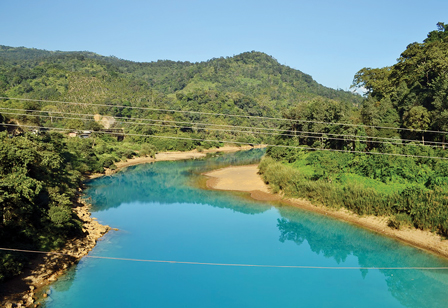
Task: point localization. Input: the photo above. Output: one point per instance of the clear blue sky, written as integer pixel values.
(328, 39)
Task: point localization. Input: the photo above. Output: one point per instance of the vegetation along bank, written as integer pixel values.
(381, 154)
(385, 158)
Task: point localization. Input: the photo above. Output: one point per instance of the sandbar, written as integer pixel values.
(246, 178)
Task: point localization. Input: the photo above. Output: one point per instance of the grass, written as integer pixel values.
(406, 203)
(348, 179)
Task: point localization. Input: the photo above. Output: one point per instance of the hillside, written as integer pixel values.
(253, 74)
(251, 83)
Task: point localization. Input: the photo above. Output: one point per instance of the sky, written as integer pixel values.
(328, 39)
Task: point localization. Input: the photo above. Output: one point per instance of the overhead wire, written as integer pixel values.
(325, 135)
(322, 135)
(235, 264)
(225, 114)
(238, 142)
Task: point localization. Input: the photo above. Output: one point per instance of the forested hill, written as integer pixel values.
(253, 74)
(40, 173)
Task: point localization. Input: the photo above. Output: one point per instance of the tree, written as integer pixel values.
(74, 124)
(438, 35)
(374, 80)
(415, 87)
(417, 118)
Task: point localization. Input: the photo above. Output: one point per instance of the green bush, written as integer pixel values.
(410, 204)
(148, 150)
(400, 220)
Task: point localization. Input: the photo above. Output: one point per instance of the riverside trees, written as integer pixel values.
(415, 88)
(402, 101)
(37, 189)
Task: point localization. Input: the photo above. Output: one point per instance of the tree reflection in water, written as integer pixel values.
(410, 287)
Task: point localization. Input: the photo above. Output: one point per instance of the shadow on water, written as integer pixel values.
(410, 287)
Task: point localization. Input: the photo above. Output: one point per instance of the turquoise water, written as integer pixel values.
(161, 215)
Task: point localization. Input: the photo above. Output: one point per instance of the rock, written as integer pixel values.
(8, 305)
(30, 301)
(31, 288)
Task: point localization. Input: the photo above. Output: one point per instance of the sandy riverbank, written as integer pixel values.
(171, 156)
(46, 268)
(246, 178)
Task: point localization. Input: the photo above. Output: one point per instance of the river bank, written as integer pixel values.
(246, 178)
(172, 156)
(46, 268)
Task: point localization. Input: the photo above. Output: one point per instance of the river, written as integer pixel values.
(163, 214)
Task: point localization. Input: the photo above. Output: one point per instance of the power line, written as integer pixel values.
(226, 115)
(249, 132)
(322, 135)
(236, 264)
(237, 142)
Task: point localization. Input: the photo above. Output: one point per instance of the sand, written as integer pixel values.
(246, 178)
(46, 269)
(171, 156)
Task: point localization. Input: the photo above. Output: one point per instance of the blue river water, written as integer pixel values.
(161, 214)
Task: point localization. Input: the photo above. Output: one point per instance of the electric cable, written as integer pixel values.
(324, 135)
(235, 264)
(238, 142)
(224, 114)
(249, 132)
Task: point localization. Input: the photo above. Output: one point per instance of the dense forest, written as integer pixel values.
(382, 154)
(385, 157)
(123, 107)
(250, 84)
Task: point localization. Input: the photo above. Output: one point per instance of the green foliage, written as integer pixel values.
(251, 83)
(38, 185)
(414, 88)
(412, 192)
(148, 150)
(277, 175)
(11, 264)
(400, 220)
(60, 215)
(438, 35)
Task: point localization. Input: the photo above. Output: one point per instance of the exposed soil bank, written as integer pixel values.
(246, 178)
(46, 268)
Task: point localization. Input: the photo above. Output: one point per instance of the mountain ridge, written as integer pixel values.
(169, 76)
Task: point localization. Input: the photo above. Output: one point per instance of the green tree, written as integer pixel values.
(438, 35)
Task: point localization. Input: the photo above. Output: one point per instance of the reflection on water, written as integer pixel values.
(411, 287)
(169, 182)
(162, 216)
